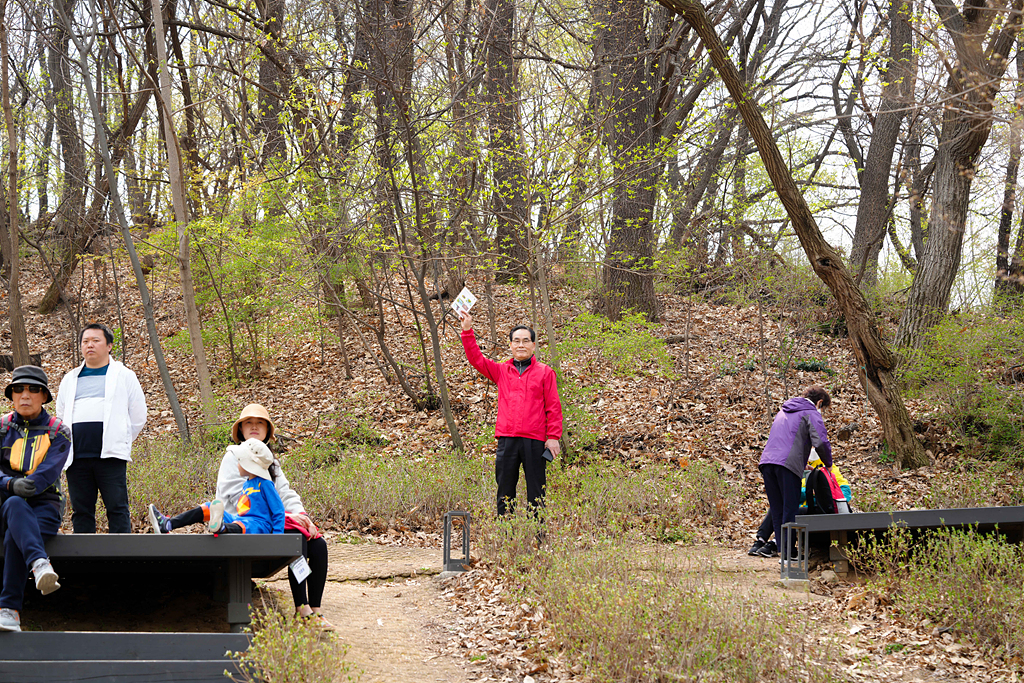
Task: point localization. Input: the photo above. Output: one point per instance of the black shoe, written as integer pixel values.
(769, 549)
(161, 524)
(758, 544)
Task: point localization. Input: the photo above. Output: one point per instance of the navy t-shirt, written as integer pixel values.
(87, 430)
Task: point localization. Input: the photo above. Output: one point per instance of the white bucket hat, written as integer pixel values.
(254, 457)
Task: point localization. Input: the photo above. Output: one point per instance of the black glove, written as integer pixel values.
(24, 487)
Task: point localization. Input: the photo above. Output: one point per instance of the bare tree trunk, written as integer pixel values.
(897, 94)
(19, 336)
(875, 362)
(966, 123)
(181, 220)
(115, 200)
(629, 260)
(1009, 284)
(72, 203)
(507, 162)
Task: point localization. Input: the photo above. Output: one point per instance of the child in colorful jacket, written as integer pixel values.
(259, 509)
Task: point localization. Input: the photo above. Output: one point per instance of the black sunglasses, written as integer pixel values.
(32, 388)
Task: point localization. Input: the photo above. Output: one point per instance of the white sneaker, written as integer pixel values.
(46, 578)
(10, 620)
(216, 516)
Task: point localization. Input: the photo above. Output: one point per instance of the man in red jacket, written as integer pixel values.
(529, 414)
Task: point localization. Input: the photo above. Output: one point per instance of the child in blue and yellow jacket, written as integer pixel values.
(259, 509)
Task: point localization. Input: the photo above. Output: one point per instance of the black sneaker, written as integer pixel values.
(769, 549)
(160, 523)
(758, 544)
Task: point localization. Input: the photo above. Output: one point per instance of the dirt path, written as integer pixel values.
(386, 604)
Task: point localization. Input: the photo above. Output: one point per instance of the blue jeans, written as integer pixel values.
(108, 477)
(27, 528)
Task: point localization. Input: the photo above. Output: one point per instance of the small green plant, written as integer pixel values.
(289, 649)
(173, 475)
(814, 365)
(966, 486)
(868, 497)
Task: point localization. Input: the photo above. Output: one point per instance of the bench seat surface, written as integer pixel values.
(920, 519)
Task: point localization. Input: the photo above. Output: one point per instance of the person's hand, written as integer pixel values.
(552, 445)
(467, 321)
(306, 522)
(24, 487)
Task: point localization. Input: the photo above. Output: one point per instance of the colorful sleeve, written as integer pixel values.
(276, 508)
(47, 471)
(487, 367)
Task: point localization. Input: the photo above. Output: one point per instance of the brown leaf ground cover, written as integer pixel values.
(734, 364)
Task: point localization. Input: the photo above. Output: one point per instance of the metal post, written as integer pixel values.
(457, 564)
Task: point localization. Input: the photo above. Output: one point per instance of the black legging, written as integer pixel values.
(197, 516)
(311, 591)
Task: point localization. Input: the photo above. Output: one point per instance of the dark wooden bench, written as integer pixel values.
(61, 657)
(1008, 520)
(235, 558)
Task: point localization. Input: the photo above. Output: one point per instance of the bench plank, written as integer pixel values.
(112, 645)
(145, 671)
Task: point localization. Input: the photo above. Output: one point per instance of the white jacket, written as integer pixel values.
(124, 409)
(229, 484)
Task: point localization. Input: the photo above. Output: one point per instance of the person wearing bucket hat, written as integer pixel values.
(33, 449)
(103, 403)
(254, 423)
(257, 510)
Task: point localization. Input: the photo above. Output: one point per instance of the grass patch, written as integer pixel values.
(171, 474)
(962, 580)
(625, 618)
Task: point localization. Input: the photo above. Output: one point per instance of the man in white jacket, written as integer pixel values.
(103, 403)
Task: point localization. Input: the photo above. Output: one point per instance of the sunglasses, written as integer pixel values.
(32, 388)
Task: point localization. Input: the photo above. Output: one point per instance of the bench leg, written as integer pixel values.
(838, 555)
(239, 593)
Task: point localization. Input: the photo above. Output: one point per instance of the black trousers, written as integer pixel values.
(108, 477)
(512, 452)
(197, 515)
(311, 591)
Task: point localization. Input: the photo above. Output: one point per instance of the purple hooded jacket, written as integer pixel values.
(797, 428)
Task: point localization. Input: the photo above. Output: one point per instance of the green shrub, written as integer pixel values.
(958, 370)
(172, 475)
(965, 486)
(289, 649)
(627, 346)
(962, 580)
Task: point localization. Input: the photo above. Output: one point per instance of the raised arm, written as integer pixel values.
(487, 367)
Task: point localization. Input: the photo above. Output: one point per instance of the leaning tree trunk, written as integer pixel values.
(1009, 285)
(875, 362)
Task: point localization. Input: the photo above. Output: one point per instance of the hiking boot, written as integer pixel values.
(769, 549)
(46, 578)
(159, 521)
(216, 516)
(10, 620)
(758, 544)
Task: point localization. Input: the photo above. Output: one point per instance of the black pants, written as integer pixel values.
(783, 490)
(197, 515)
(108, 477)
(512, 452)
(311, 591)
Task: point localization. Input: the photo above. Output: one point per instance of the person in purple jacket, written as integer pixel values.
(797, 428)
